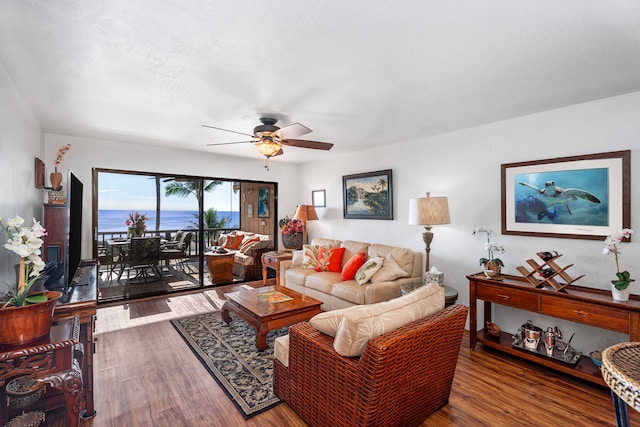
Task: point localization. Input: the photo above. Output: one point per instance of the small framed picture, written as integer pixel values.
(318, 198)
(263, 202)
(250, 210)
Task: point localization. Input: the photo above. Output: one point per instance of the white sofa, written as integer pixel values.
(247, 258)
(335, 293)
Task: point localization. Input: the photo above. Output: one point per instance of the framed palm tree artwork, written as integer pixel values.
(368, 195)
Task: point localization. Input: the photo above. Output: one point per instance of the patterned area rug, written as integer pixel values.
(229, 353)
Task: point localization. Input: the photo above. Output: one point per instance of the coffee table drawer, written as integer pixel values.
(504, 296)
(584, 312)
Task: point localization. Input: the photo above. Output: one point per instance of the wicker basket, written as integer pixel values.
(292, 241)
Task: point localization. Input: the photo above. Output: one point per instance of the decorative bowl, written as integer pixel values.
(596, 358)
(493, 329)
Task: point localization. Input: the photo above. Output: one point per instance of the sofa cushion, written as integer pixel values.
(298, 276)
(390, 271)
(310, 256)
(350, 291)
(330, 243)
(248, 244)
(281, 349)
(352, 265)
(368, 269)
(361, 323)
(296, 258)
(323, 281)
(330, 259)
(233, 241)
(403, 256)
(351, 248)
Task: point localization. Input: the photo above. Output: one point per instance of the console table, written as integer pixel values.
(51, 361)
(83, 302)
(579, 304)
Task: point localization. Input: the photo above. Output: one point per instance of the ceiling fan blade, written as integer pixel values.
(303, 143)
(227, 130)
(290, 131)
(230, 143)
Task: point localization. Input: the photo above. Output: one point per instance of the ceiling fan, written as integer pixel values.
(269, 138)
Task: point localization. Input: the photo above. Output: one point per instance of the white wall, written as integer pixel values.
(86, 154)
(465, 167)
(20, 143)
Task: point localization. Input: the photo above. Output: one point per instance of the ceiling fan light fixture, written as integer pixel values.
(268, 148)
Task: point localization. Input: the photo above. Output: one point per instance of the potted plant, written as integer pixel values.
(137, 224)
(619, 287)
(292, 232)
(25, 316)
(491, 264)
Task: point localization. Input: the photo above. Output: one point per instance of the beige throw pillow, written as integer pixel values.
(368, 269)
(390, 271)
(310, 257)
(361, 323)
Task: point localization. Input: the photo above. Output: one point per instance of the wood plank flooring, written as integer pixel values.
(146, 376)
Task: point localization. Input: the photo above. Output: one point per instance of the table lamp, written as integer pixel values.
(305, 213)
(428, 211)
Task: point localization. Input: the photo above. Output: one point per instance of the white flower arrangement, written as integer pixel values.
(611, 247)
(26, 242)
(491, 246)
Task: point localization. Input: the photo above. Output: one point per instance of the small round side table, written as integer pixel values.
(621, 371)
(450, 294)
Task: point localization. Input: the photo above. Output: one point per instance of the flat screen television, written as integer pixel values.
(73, 241)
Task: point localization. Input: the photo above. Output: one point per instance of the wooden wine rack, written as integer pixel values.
(553, 280)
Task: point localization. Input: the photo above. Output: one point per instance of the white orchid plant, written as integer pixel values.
(491, 246)
(611, 247)
(27, 243)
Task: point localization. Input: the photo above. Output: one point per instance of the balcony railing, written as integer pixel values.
(210, 234)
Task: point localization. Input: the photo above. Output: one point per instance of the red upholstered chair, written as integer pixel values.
(401, 378)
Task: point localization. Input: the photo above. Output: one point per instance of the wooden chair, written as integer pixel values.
(143, 256)
(401, 378)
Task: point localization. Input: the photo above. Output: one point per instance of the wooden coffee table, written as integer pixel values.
(267, 316)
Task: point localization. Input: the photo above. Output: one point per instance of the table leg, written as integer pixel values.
(261, 337)
(621, 410)
(264, 274)
(225, 314)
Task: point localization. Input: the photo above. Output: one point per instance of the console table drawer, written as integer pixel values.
(584, 312)
(512, 297)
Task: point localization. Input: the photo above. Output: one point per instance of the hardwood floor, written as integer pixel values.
(146, 376)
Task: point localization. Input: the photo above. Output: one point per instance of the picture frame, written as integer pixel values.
(263, 202)
(578, 197)
(368, 195)
(250, 210)
(39, 173)
(318, 198)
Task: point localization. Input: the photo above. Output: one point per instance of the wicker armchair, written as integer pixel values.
(401, 378)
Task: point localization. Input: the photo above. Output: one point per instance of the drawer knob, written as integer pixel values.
(581, 313)
(503, 296)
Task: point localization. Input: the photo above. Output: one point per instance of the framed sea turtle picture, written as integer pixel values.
(579, 197)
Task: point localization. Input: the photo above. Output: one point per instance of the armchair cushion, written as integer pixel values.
(362, 323)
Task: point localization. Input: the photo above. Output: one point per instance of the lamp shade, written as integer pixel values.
(429, 211)
(305, 213)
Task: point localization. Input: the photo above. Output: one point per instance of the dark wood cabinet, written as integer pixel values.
(593, 307)
(55, 222)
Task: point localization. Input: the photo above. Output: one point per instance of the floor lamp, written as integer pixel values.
(428, 211)
(305, 213)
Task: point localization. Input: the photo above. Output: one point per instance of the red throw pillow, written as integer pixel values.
(233, 241)
(330, 259)
(250, 242)
(354, 263)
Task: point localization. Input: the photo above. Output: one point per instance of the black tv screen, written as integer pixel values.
(74, 227)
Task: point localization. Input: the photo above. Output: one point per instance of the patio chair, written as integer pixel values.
(143, 256)
(178, 250)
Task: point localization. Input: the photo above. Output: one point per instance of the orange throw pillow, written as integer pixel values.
(330, 259)
(354, 263)
(233, 242)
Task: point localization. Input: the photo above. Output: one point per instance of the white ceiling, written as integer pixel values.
(360, 73)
